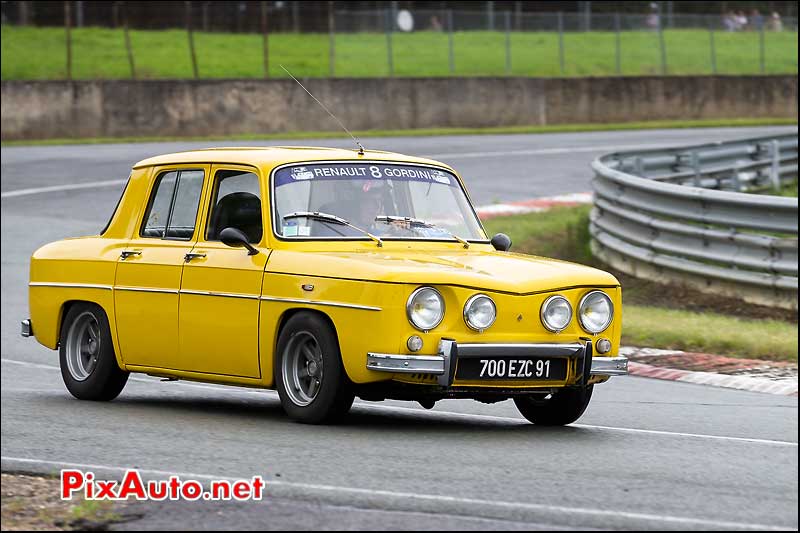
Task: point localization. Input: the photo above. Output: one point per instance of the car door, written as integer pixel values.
(221, 285)
(149, 269)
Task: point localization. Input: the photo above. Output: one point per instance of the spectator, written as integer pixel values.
(741, 21)
(730, 21)
(775, 22)
(756, 20)
(435, 24)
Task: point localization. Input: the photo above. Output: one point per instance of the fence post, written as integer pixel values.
(389, 54)
(561, 41)
(331, 41)
(24, 13)
(490, 15)
(191, 37)
(713, 49)
(205, 15)
(508, 42)
(79, 14)
(68, 28)
(128, 46)
(662, 46)
(265, 38)
(775, 173)
(451, 50)
(618, 43)
(762, 52)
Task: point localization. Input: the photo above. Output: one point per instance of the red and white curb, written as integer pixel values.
(534, 205)
(750, 375)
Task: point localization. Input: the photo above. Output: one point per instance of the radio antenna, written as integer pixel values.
(360, 146)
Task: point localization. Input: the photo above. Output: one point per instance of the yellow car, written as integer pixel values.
(325, 274)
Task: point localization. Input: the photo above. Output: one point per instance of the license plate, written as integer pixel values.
(512, 369)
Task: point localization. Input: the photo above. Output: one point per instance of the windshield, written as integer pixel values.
(373, 197)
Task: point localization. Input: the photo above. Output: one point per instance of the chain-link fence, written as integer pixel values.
(253, 39)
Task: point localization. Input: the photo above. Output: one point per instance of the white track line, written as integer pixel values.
(444, 414)
(12, 462)
(59, 188)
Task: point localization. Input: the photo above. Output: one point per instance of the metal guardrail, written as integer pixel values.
(684, 215)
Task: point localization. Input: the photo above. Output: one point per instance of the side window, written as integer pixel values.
(172, 212)
(237, 204)
(184, 209)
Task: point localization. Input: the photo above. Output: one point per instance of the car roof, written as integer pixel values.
(271, 156)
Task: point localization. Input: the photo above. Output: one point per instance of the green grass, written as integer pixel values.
(684, 319)
(556, 128)
(709, 332)
(30, 53)
(789, 189)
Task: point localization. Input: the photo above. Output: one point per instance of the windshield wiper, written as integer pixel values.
(416, 222)
(325, 217)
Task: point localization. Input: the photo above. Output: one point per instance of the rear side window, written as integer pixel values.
(172, 212)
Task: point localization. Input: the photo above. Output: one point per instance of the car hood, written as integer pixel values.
(489, 270)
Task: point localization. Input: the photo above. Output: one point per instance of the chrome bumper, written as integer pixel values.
(609, 366)
(444, 364)
(26, 330)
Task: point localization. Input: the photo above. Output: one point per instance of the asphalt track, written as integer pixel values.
(646, 455)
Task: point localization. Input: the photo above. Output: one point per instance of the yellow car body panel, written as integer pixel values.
(164, 311)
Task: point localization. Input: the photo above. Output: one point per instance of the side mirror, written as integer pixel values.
(501, 242)
(236, 238)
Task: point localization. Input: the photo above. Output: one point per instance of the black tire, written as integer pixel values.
(562, 408)
(334, 391)
(101, 378)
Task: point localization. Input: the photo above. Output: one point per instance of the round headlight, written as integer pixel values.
(556, 313)
(595, 312)
(480, 312)
(425, 308)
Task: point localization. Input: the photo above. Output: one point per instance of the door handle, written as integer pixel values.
(127, 253)
(188, 257)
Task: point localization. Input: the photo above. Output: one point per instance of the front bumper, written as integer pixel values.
(444, 363)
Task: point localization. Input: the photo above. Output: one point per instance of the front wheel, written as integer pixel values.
(309, 375)
(86, 354)
(558, 409)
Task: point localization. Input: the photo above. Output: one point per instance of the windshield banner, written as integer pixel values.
(362, 171)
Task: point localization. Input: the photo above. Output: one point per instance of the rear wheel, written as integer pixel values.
(309, 375)
(557, 409)
(86, 354)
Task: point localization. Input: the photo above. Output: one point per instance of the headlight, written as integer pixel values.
(556, 313)
(595, 312)
(480, 312)
(425, 308)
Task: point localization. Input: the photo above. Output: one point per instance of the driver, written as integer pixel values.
(369, 197)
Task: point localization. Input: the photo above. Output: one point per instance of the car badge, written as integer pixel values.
(302, 173)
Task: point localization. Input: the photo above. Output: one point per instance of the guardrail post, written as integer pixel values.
(737, 183)
(696, 168)
(775, 171)
(638, 166)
